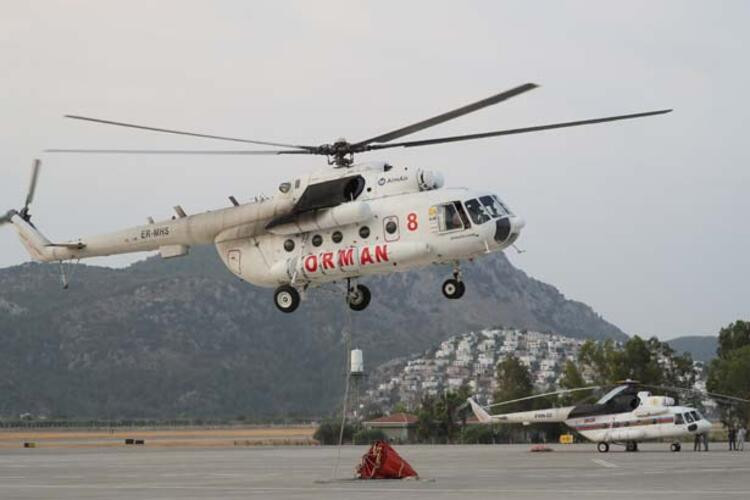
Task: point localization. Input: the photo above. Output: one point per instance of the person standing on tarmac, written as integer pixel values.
(741, 438)
(732, 434)
(697, 442)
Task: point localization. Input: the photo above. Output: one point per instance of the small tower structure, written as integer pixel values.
(356, 379)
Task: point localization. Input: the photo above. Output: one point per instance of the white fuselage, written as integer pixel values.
(650, 420)
(397, 222)
(630, 426)
(416, 241)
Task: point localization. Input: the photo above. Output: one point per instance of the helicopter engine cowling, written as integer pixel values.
(428, 180)
(327, 218)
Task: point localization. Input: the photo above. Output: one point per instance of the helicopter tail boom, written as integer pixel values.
(521, 417)
(171, 237)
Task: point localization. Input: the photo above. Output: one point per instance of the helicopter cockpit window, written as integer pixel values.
(678, 420)
(688, 418)
(477, 212)
(695, 415)
(451, 217)
(505, 207)
(493, 206)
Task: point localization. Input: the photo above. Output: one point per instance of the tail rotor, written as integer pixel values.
(24, 212)
(5, 218)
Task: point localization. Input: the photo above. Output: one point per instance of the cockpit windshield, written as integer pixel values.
(494, 206)
(485, 208)
(695, 415)
(477, 211)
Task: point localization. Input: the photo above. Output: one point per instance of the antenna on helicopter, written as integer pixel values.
(341, 153)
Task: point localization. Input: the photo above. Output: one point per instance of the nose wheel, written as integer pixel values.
(286, 298)
(358, 297)
(602, 447)
(454, 287)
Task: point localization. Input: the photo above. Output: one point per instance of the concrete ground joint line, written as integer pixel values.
(604, 463)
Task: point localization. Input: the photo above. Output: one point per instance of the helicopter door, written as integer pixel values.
(449, 217)
(234, 261)
(391, 230)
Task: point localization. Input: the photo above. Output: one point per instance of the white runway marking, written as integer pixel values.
(604, 463)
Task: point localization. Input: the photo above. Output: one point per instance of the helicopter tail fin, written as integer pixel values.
(480, 412)
(38, 246)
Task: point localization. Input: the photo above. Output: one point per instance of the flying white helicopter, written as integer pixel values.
(624, 415)
(337, 224)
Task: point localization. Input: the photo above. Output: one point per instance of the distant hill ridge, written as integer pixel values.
(185, 337)
(701, 347)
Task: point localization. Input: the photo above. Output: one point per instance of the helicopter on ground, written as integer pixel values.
(333, 225)
(624, 415)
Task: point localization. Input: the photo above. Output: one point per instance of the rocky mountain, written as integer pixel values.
(701, 347)
(185, 338)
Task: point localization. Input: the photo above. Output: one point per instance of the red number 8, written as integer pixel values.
(411, 222)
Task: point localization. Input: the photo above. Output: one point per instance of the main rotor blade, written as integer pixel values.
(32, 184)
(180, 132)
(183, 151)
(536, 396)
(694, 390)
(484, 135)
(731, 398)
(450, 115)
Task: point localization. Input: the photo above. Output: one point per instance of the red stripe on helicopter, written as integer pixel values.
(628, 423)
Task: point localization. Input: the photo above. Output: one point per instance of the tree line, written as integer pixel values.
(729, 372)
(442, 418)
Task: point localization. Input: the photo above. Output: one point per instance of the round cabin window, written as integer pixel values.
(364, 232)
(317, 240)
(289, 245)
(391, 227)
(337, 236)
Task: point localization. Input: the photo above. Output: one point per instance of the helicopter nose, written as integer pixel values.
(502, 229)
(517, 223)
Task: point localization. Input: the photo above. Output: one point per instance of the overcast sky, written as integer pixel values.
(646, 221)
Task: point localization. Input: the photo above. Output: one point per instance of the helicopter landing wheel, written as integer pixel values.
(358, 298)
(453, 289)
(675, 447)
(603, 447)
(631, 446)
(286, 298)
